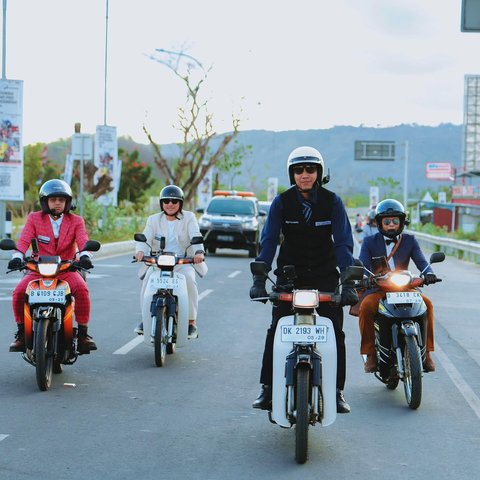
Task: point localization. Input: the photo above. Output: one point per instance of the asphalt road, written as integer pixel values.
(192, 419)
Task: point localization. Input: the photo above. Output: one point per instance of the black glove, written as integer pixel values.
(429, 278)
(85, 262)
(349, 294)
(14, 263)
(258, 288)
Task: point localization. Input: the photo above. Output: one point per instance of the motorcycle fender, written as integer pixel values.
(328, 353)
(409, 329)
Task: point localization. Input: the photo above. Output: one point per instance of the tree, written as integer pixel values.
(198, 152)
(388, 184)
(37, 169)
(136, 177)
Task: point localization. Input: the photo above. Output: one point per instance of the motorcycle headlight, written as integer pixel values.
(400, 279)
(47, 269)
(166, 261)
(305, 298)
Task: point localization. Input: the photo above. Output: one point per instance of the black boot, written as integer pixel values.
(18, 345)
(264, 399)
(85, 341)
(342, 405)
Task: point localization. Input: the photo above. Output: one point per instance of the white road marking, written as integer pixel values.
(204, 294)
(5, 298)
(235, 273)
(129, 346)
(139, 339)
(462, 386)
(3, 436)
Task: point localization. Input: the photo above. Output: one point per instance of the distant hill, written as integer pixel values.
(270, 151)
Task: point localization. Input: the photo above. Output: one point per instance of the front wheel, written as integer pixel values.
(303, 414)
(44, 354)
(160, 338)
(412, 366)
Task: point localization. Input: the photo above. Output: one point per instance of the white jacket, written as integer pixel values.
(186, 227)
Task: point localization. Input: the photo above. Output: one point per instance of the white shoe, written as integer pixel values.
(139, 329)
(192, 331)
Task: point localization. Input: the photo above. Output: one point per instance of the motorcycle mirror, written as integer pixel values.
(7, 244)
(91, 246)
(437, 257)
(354, 272)
(196, 240)
(34, 243)
(259, 268)
(140, 237)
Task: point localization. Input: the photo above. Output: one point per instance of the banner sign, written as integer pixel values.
(204, 190)
(439, 171)
(272, 188)
(106, 159)
(11, 143)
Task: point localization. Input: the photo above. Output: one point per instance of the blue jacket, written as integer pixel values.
(374, 246)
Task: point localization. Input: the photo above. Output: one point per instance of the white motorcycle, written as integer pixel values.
(165, 301)
(304, 359)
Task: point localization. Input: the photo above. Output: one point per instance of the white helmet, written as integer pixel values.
(304, 156)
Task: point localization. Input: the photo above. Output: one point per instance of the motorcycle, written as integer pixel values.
(49, 312)
(165, 300)
(304, 358)
(400, 327)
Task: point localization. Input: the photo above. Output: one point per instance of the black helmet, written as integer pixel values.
(172, 192)
(305, 156)
(390, 208)
(55, 188)
(371, 215)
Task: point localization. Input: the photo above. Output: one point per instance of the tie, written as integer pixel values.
(393, 240)
(307, 210)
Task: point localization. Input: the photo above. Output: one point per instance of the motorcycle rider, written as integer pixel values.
(178, 226)
(370, 227)
(308, 215)
(391, 220)
(60, 233)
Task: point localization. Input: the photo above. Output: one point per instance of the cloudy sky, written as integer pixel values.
(278, 65)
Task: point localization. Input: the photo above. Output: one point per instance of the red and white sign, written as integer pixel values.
(439, 171)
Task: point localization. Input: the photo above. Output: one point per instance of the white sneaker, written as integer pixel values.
(139, 329)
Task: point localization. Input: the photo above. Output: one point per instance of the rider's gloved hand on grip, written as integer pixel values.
(258, 288)
(349, 294)
(14, 263)
(430, 278)
(85, 262)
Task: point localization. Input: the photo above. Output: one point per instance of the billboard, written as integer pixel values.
(374, 150)
(11, 143)
(106, 160)
(439, 171)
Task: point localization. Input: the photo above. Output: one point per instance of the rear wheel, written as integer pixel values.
(160, 338)
(44, 354)
(412, 366)
(303, 414)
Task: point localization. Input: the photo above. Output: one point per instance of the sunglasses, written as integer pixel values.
(299, 169)
(170, 200)
(388, 221)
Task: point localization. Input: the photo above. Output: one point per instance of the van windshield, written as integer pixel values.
(231, 206)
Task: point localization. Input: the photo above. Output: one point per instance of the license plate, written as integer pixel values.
(225, 238)
(46, 296)
(404, 297)
(304, 333)
(164, 282)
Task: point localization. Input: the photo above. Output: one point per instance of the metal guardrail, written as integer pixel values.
(462, 249)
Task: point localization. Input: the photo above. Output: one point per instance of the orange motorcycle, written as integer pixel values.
(49, 312)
